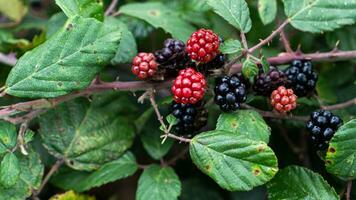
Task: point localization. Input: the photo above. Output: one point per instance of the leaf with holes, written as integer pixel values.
(245, 122)
(9, 170)
(80, 181)
(68, 61)
(341, 155)
(236, 12)
(84, 8)
(320, 15)
(88, 135)
(235, 162)
(267, 9)
(160, 16)
(294, 183)
(158, 183)
(29, 178)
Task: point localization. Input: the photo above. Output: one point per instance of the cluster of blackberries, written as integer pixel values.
(302, 78)
(230, 91)
(322, 126)
(191, 117)
(265, 83)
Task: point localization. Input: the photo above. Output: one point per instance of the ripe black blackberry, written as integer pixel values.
(322, 126)
(264, 83)
(301, 77)
(216, 63)
(191, 117)
(173, 56)
(230, 91)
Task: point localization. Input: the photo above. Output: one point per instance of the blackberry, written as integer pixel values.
(264, 84)
(173, 56)
(322, 126)
(230, 91)
(302, 78)
(216, 63)
(191, 117)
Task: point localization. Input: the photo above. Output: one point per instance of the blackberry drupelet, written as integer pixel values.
(264, 83)
(230, 91)
(191, 117)
(301, 77)
(322, 126)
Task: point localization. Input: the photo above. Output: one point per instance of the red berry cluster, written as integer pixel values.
(203, 45)
(144, 65)
(189, 86)
(283, 100)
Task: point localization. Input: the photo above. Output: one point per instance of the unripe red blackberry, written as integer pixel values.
(322, 126)
(203, 45)
(192, 117)
(264, 84)
(283, 100)
(144, 65)
(189, 86)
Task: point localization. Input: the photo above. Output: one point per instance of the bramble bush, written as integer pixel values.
(177, 99)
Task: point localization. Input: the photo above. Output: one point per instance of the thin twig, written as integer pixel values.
(181, 139)
(351, 102)
(111, 7)
(348, 190)
(285, 42)
(53, 170)
(243, 40)
(270, 114)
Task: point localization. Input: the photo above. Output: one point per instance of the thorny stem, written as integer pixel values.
(53, 170)
(351, 102)
(348, 190)
(243, 40)
(270, 114)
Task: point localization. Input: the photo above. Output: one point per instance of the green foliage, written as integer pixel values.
(84, 8)
(315, 15)
(7, 136)
(79, 181)
(267, 10)
(9, 170)
(245, 122)
(159, 16)
(235, 12)
(70, 195)
(158, 183)
(231, 47)
(87, 135)
(64, 63)
(235, 162)
(249, 69)
(340, 158)
(296, 183)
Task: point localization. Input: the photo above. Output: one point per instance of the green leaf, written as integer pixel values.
(55, 23)
(127, 49)
(14, 9)
(267, 10)
(249, 69)
(84, 8)
(320, 15)
(152, 143)
(160, 16)
(70, 195)
(82, 181)
(9, 170)
(344, 37)
(31, 172)
(233, 161)
(341, 155)
(87, 135)
(295, 183)
(66, 62)
(231, 46)
(245, 122)
(236, 12)
(172, 120)
(8, 136)
(158, 183)
(265, 64)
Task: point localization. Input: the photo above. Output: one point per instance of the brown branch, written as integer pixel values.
(8, 59)
(348, 190)
(351, 102)
(270, 114)
(53, 170)
(181, 139)
(111, 7)
(286, 58)
(243, 40)
(285, 42)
